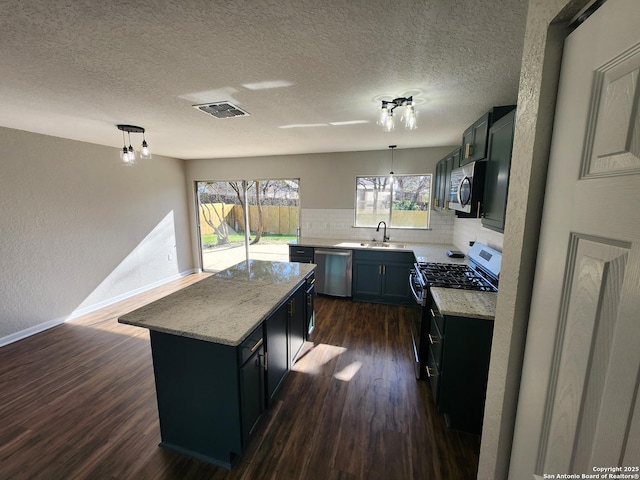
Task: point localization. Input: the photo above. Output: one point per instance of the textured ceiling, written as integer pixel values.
(76, 68)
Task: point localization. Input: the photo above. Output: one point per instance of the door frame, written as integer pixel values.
(546, 30)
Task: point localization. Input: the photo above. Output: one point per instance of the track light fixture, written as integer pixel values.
(409, 116)
(128, 154)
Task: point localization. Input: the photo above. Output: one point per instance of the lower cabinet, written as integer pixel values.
(211, 396)
(382, 277)
(301, 254)
(252, 389)
(458, 367)
(277, 349)
(309, 309)
(285, 333)
(297, 323)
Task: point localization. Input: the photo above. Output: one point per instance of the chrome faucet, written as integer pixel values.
(384, 234)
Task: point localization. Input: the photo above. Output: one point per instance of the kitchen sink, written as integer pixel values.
(383, 245)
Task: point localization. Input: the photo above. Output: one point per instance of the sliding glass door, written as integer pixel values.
(270, 208)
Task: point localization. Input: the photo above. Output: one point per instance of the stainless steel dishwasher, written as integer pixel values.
(333, 273)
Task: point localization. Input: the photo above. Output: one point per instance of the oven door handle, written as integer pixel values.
(419, 299)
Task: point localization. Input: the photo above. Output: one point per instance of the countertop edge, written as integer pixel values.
(232, 342)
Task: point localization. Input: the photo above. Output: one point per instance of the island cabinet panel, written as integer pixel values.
(297, 322)
(277, 349)
(309, 310)
(252, 389)
(199, 399)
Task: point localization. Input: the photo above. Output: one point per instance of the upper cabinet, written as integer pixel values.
(442, 181)
(500, 143)
(474, 138)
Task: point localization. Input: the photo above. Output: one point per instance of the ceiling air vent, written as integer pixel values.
(222, 110)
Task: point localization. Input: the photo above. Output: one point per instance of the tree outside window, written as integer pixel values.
(402, 201)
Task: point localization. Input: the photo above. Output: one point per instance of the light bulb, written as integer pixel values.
(124, 155)
(145, 153)
(131, 155)
(387, 126)
(384, 115)
(410, 117)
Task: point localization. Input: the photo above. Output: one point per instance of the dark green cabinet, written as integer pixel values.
(496, 184)
(458, 368)
(300, 254)
(252, 390)
(475, 138)
(474, 141)
(277, 350)
(310, 315)
(297, 323)
(210, 396)
(285, 333)
(438, 196)
(442, 181)
(382, 277)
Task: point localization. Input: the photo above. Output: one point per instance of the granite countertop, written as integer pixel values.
(224, 308)
(465, 303)
(424, 252)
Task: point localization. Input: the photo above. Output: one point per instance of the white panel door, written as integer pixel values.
(578, 407)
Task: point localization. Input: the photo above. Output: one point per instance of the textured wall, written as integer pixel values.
(534, 121)
(79, 230)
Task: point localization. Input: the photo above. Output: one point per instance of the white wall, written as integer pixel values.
(79, 230)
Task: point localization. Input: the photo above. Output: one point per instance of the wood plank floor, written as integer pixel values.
(78, 402)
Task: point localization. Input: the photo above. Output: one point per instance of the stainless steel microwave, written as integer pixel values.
(467, 188)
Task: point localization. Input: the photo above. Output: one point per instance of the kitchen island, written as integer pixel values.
(210, 342)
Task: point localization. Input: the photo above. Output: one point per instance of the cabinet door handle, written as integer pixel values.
(433, 340)
(384, 269)
(430, 374)
(257, 345)
(467, 150)
(380, 269)
(263, 359)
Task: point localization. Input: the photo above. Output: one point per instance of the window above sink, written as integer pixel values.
(402, 201)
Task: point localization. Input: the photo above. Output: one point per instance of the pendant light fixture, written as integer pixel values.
(409, 116)
(128, 154)
(392, 147)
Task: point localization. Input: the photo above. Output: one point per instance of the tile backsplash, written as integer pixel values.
(471, 230)
(338, 223)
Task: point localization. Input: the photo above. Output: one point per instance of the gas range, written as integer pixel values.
(481, 274)
(454, 276)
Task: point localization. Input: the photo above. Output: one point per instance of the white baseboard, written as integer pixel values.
(27, 332)
(41, 327)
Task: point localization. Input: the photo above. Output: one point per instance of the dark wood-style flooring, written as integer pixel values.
(78, 402)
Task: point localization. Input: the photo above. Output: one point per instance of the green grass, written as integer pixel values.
(212, 239)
